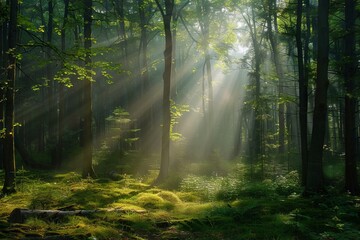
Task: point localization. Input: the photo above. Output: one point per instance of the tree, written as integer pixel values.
(351, 151)
(203, 12)
(51, 114)
(61, 95)
(165, 144)
(145, 116)
(303, 93)
(3, 33)
(256, 141)
(273, 38)
(86, 118)
(315, 179)
(9, 145)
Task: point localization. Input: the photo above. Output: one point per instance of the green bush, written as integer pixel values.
(206, 187)
(288, 184)
(258, 190)
(230, 188)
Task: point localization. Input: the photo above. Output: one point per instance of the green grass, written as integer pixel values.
(202, 208)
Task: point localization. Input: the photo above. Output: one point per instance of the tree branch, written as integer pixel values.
(160, 8)
(187, 30)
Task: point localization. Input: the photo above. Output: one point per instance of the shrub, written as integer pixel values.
(205, 187)
(288, 184)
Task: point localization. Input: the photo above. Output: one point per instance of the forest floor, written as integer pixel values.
(131, 209)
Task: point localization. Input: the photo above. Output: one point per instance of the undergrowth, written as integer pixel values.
(203, 207)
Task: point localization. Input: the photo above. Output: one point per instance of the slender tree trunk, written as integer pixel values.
(126, 58)
(9, 145)
(256, 143)
(174, 78)
(351, 140)
(210, 93)
(3, 62)
(165, 146)
(174, 87)
(315, 179)
(238, 135)
(272, 34)
(303, 95)
(146, 115)
(43, 116)
(1, 125)
(51, 101)
(61, 95)
(121, 12)
(203, 9)
(86, 119)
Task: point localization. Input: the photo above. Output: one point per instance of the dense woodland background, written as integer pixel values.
(272, 83)
(114, 88)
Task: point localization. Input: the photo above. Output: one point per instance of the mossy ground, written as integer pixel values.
(254, 213)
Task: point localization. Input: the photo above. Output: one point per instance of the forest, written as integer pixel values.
(179, 119)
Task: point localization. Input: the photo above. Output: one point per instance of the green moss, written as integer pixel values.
(189, 197)
(169, 196)
(70, 177)
(256, 212)
(153, 201)
(104, 232)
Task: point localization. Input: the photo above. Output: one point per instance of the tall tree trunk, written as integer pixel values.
(351, 151)
(126, 91)
(43, 115)
(255, 139)
(121, 12)
(165, 145)
(174, 79)
(272, 34)
(315, 179)
(145, 118)
(1, 124)
(9, 145)
(203, 11)
(174, 87)
(3, 62)
(61, 95)
(51, 101)
(86, 119)
(303, 95)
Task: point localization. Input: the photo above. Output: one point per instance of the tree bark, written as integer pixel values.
(315, 179)
(61, 95)
(86, 119)
(3, 62)
(9, 145)
(165, 144)
(255, 148)
(303, 94)
(351, 140)
(272, 34)
(203, 12)
(145, 116)
(51, 98)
